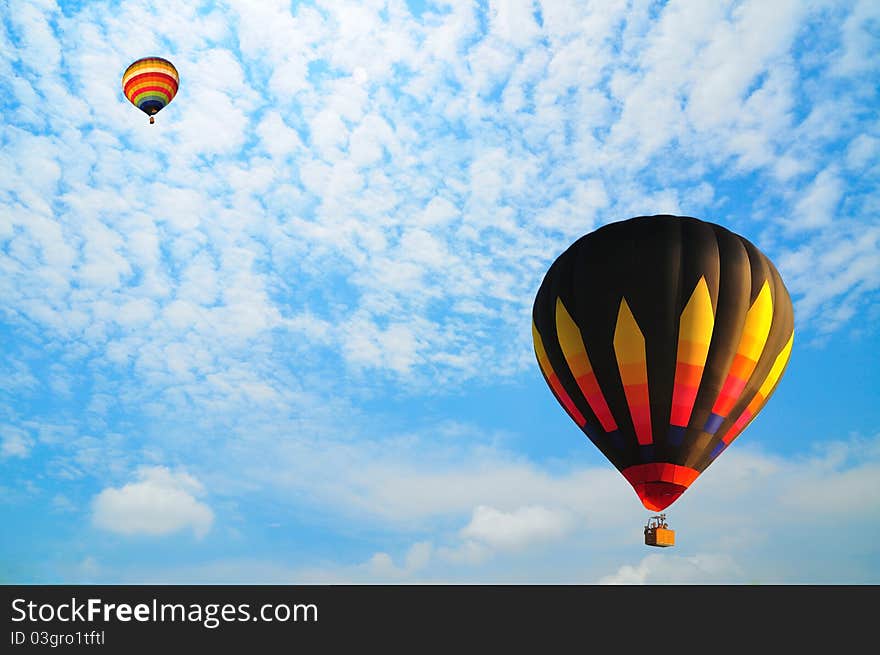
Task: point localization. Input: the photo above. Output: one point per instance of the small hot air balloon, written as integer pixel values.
(662, 337)
(150, 84)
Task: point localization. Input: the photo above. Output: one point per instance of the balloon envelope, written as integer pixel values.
(150, 84)
(662, 337)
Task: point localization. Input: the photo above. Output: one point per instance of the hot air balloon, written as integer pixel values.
(150, 84)
(662, 337)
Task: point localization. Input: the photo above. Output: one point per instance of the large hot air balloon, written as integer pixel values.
(662, 337)
(150, 84)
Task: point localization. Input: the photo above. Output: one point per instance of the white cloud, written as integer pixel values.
(513, 21)
(816, 208)
(833, 275)
(516, 529)
(159, 503)
(727, 522)
(588, 98)
(734, 526)
(862, 150)
(61, 503)
(673, 569)
(277, 137)
(859, 48)
(381, 566)
(14, 442)
(469, 553)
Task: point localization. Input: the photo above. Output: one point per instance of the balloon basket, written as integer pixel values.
(657, 532)
(660, 538)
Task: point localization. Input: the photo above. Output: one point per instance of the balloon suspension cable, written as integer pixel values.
(658, 521)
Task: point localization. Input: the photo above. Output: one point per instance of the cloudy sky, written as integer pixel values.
(283, 335)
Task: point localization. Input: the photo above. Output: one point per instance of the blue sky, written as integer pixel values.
(283, 335)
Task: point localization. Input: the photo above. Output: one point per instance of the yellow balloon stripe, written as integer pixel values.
(553, 379)
(764, 392)
(575, 353)
(150, 66)
(748, 352)
(629, 348)
(694, 336)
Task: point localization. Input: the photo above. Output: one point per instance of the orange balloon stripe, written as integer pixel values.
(146, 74)
(150, 78)
(694, 335)
(757, 403)
(575, 352)
(135, 91)
(640, 410)
(629, 348)
(748, 352)
(731, 390)
(733, 385)
(150, 65)
(741, 423)
(590, 388)
(683, 398)
(553, 380)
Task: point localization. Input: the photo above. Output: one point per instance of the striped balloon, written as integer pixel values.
(662, 337)
(150, 84)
